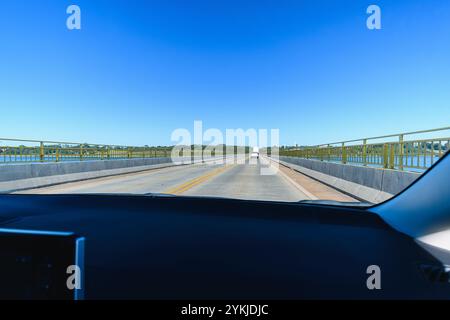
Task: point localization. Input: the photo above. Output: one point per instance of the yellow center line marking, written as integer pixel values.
(194, 182)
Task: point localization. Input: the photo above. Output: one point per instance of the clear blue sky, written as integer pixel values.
(140, 69)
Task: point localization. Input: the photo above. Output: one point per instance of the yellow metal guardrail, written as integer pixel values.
(18, 150)
(401, 153)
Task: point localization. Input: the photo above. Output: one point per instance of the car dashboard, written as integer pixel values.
(154, 247)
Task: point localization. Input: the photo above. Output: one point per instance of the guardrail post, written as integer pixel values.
(385, 156)
(425, 148)
(432, 152)
(41, 152)
(401, 152)
(344, 153)
(440, 149)
(392, 156)
(365, 152)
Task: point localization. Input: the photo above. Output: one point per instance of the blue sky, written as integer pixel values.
(140, 69)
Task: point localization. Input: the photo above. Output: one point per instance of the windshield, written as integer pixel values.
(333, 101)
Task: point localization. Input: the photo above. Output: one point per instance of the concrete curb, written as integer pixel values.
(369, 184)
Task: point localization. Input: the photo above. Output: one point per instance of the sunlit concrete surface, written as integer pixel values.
(154, 181)
(244, 179)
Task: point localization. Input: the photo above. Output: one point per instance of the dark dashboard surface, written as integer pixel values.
(175, 247)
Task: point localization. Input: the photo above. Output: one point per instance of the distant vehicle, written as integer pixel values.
(255, 153)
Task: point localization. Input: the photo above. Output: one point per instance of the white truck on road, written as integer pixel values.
(255, 153)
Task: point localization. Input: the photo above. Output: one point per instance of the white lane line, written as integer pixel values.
(295, 184)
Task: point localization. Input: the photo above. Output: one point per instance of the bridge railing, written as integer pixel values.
(17, 150)
(397, 151)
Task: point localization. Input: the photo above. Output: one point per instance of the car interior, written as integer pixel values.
(224, 159)
(165, 247)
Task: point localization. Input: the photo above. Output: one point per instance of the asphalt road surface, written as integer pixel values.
(231, 180)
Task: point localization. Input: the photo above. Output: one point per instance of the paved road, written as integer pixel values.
(231, 180)
(244, 181)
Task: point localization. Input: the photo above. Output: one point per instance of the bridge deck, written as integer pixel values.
(241, 181)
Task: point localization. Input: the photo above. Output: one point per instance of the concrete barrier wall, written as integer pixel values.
(367, 183)
(16, 177)
(10, 172)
